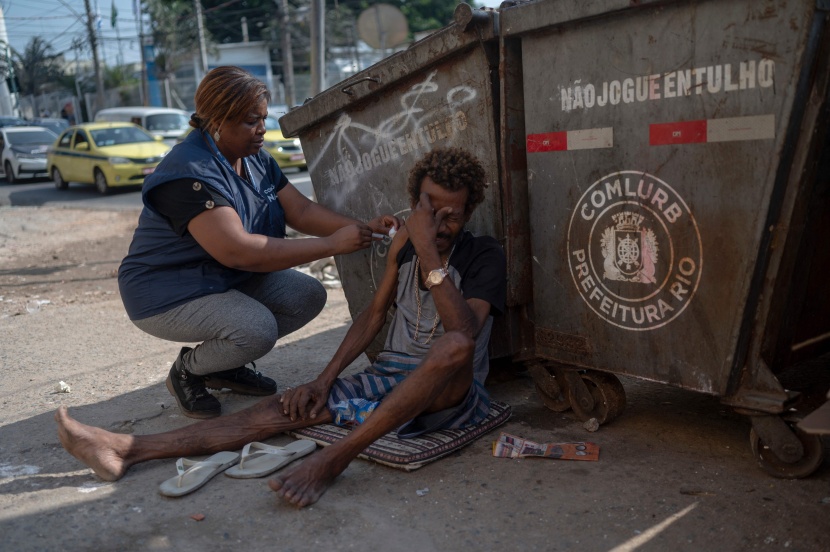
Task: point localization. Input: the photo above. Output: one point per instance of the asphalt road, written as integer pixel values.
(42, 192)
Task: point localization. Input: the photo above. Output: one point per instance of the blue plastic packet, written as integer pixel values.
(353, 411)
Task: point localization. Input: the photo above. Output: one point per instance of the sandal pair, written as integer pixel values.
(257, 460)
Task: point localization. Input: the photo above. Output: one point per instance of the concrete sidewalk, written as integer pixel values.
(675, 470)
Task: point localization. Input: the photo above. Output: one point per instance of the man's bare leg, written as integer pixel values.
(111, 454)
(440, 381)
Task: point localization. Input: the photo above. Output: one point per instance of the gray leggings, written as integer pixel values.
(242, 324)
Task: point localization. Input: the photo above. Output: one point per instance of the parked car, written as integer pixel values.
(55, 125)
(166, 122)
(23, 151)
(12, 121)
(104, 154)
(286, 151)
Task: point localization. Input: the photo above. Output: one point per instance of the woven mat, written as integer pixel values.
(411, 454)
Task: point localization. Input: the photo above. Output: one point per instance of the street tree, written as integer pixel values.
(223, 18)
(38, 68)
(423, 15)
(175, 33)
(119, 76)
(223, 21)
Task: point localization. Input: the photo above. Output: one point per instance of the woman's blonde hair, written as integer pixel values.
(227, 93)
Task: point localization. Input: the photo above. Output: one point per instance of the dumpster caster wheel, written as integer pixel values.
(608, 394)
(549, 389)
(808, 463)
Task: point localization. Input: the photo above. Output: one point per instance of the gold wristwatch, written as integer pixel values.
(435, 277)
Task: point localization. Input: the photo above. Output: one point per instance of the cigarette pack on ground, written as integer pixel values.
(511, 446)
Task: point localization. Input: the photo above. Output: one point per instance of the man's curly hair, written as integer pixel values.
(450, 168)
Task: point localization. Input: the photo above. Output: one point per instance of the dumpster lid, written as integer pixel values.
(469, 27)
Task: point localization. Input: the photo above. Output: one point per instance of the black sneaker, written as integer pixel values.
(189, 391)
(242, 380)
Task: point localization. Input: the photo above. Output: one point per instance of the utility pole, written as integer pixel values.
(114, 24)
(76, 46)
(139, 24)
(93, 42)
(202, 49)
(318, 43)
(287, 55)
(356, 46)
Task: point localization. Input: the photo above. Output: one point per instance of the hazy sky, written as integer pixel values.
(59, 22)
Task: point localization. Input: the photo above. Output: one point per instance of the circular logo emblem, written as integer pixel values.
(634, 251)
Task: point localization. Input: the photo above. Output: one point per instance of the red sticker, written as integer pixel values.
(548, 141)
(684, 132)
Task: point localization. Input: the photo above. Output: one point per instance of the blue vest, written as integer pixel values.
(162, 269)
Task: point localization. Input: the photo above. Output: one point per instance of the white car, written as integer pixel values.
(23, 150)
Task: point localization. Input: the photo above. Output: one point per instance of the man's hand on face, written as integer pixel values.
(306, 401)
(424, 222)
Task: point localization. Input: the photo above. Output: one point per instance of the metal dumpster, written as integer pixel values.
(659, 180)
(675, 201)
(362, 137)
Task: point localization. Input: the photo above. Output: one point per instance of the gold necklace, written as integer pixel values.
(418, 298)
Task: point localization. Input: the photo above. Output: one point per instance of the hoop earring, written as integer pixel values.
(216, 136)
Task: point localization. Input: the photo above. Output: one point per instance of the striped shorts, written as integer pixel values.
(378, 380)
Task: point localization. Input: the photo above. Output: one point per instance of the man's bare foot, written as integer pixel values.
(305, 484)
(99, 449)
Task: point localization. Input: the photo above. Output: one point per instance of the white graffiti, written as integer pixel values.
(353, 149)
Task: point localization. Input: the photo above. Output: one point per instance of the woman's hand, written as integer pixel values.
(350, 238)
(305, 401)
(383, 223)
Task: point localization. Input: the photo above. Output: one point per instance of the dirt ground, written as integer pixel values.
(675, 470)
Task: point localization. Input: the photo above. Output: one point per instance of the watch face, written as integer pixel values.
(435, 277)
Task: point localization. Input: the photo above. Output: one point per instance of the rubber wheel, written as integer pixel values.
(548, 388)
(770, 463)
(60, 183)
(101, 182)
(10, 178)
(608, 394)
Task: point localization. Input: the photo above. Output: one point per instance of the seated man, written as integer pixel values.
(445, 284)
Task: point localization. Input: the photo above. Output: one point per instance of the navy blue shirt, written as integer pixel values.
(165, 266)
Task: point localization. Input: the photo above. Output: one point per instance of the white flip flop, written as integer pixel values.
(195, 473)
(266, 459)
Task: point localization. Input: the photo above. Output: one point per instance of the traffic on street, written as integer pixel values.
(42, 192)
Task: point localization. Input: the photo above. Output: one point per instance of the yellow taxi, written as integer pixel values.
(104, 154)
(285, 151)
